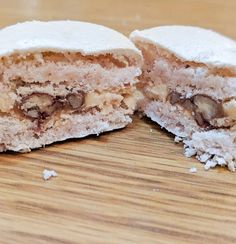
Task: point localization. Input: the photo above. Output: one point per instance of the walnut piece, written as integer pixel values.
(159, 91)
(230, 108)
(209, 108)
(132, 100)
(6, 102)
(39, 105)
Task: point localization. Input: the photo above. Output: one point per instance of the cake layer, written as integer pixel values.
(99, 72)
(191, 44)
(21, 135)
(214, 147)
(171, 117)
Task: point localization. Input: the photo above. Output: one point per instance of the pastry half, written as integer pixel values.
(189, 85)
(63, 79)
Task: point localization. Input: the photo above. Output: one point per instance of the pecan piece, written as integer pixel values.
(174, 97)
(76, 100)
(199, 119)
(188, 105)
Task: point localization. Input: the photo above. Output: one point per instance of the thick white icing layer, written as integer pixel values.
(191, 44)
(58, 36)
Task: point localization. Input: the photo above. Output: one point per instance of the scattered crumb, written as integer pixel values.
(193, 170)
(151, 130)
(47, 174)
(155, 189)
(178, 139)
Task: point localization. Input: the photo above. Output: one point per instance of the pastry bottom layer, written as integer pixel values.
(212, 147)
(171, 117)
(20, 135)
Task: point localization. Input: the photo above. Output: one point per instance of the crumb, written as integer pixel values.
(189, 152)
(47, 174)
(25, 150)
(204, 157)
(231, 166)
(221, 161)
(155, 189)
(178, 139)
(193, 170)
(151, 130)
(210, 164)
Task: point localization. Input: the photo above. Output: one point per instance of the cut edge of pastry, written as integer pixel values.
(192, 100)
(50, 96)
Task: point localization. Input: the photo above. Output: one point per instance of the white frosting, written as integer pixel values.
(191, 44)
(58, 36)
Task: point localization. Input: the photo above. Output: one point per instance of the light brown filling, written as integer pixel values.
(106, 60)
(206, 111)
(40, 106)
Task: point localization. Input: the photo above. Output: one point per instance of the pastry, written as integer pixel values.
(189, 85)
(64, 79)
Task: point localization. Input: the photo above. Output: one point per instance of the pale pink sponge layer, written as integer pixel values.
(52, 90)
(189, 88)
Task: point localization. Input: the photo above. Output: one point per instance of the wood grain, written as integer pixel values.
(130, 186)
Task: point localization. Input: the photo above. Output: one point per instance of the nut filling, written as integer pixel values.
(41, 105)
(205, 110)
(76, 100)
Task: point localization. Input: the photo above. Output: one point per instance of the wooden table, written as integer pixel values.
(130, 186)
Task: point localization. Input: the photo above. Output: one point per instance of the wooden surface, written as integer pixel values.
(130, 186)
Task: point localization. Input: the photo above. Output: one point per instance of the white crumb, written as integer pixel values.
(189, 94)
(47, 174)
(178, 139)
(220, 160)
(193, 170)
(210, 164)
(231, 166)
(151, 130)
(189, 152)
(155, 189)
(204, 157)
(228, 157)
